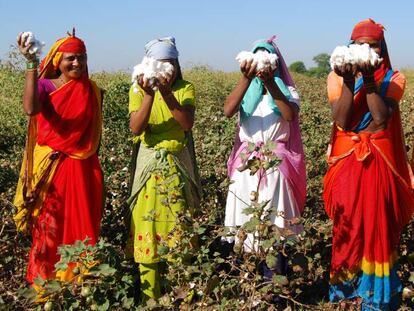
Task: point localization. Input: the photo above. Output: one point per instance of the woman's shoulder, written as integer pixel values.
(46, 85)
(398, 77)
(181, 83)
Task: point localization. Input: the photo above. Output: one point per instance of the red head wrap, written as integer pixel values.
(368, 28)
(72, 45)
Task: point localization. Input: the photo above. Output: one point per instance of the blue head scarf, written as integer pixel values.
(254, 93)
(163, 48)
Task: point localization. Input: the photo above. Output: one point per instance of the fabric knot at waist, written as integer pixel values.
(346, 143)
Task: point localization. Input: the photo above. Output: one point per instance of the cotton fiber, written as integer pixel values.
(27, 38)
(151, 69)
(262, 59)
(358, 54)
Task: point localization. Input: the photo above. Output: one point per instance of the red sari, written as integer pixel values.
(60, 192)
(368, 196)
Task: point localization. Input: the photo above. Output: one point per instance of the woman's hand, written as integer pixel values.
(367, 69)
(164, 85)
(24, 50)
(266, 75)
(347, 71)
(248, 69)
(145, 85)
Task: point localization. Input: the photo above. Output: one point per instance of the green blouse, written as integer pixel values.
(163, 131)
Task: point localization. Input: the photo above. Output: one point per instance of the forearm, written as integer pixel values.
(184, 115)
(31, 102)
(139, 119)
(342, 109)
(376, 104)
(285, 107)
(232, 103)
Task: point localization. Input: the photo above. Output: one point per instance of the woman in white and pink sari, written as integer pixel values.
(268, 107)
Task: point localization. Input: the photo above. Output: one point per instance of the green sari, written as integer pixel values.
(165, 180)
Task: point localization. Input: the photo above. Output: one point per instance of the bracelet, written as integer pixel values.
(370, 84)
(32, 65)
(368, 77)
(371, 87)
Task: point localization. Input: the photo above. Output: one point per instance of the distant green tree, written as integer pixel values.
(322, 60)
(323, 68)
(298, 67)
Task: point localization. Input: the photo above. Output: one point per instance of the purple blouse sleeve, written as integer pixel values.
(44, 88)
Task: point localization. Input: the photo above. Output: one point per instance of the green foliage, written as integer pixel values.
(201, 276)
(323, 67)
(322, 60)
(103, 279)
(298, 67)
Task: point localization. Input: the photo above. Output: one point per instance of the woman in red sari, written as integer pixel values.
(59, 196)
(367, 189)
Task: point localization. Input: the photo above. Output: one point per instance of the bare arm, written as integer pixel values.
(342, 108)
(376, 104)
(138, 120)
(285, 107)
(184, 115)
(232, 103)
(31, 102)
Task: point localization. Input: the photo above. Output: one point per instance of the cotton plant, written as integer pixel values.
(150, 70)
(28, 37)
(262, 59)
(354, 54)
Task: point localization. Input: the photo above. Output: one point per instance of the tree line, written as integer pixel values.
(321, 70)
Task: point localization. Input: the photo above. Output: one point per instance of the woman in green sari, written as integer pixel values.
(164, 180)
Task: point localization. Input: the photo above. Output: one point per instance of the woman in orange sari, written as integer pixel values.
(367, 189)
(59, 195)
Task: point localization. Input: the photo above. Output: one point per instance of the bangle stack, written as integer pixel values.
(32, 65)
(370, 87)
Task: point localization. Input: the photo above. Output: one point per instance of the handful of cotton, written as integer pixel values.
(354, 54)
(151, 69)
(261, 58)
(27, 38)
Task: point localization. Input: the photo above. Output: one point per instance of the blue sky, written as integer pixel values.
(207, 32)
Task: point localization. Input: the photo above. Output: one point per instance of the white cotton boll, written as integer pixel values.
(151, 69)
(353, 54)
(340, 56)
(28, 37)
(373, 57)
(261, 58)
(364, 54)
(244, 56)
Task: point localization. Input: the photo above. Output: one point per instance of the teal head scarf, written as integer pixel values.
(254, 93)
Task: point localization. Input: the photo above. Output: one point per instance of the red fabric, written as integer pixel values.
(67, 122)
(70, 123)
(368, 28)
(72, 45)
(367, 189)
(367, 201)
(71, 211)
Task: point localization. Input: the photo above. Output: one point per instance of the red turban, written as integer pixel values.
(368, 28)
(72, 45)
